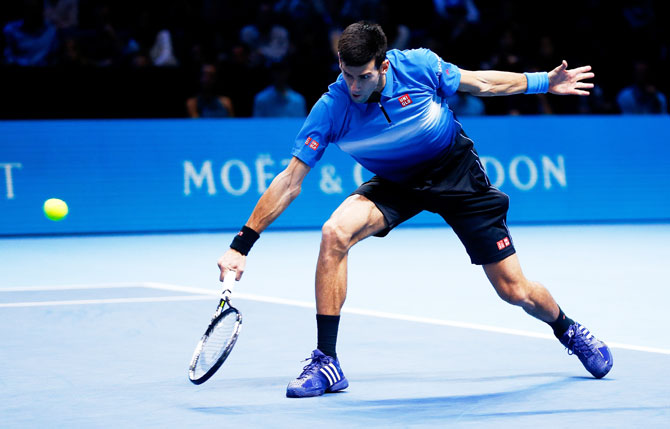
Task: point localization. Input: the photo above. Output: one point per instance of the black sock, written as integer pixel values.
(326, 332)
(561, 325)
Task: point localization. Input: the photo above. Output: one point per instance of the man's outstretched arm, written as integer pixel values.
(488, 83)
(279, 195)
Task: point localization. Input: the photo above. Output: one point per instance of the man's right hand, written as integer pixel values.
(232, 260)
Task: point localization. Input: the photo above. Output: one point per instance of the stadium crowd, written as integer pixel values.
(275, 58)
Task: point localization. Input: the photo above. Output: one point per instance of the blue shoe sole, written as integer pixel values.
(340, 385)
(303, 393)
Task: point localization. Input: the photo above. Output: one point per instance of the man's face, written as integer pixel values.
(364, 80)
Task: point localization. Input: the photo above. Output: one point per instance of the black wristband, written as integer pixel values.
(244, 240)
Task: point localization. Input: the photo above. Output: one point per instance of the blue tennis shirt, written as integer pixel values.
(411, 125)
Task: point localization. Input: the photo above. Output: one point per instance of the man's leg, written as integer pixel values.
(513, 287)
(355, 219)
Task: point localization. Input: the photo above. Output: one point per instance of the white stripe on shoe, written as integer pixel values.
(335, 371)
(331, 373)
(330, 380)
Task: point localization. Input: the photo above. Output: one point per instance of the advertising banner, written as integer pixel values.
(190, 175)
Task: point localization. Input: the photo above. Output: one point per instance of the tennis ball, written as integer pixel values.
(55, 209)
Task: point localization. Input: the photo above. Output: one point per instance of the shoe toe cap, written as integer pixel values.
(305, 387)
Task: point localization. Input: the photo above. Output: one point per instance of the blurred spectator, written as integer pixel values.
(161, 52)
(245, 77)
(642, 97)
(30, 41)
(208, 103)
(62, 14)
(70, 53)
(277, 44)
(245, 38)
(306, 10)
(266, 36)
(507, 57)
(99, 41)
(445, 8)
(151, 41)
(278, 100)
(596, 102)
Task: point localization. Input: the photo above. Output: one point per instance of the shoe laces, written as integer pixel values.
(580, 341)
(313, 366)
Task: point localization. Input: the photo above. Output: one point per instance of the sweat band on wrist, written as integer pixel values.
(538, 83)
(244, 240)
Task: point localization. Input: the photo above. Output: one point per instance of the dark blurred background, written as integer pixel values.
(224, 58)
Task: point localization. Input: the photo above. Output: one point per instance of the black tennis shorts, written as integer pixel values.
(459, 190)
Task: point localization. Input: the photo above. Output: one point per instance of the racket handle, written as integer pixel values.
(229, 284)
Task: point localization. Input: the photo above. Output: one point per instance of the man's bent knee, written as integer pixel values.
(335, 238)
(513, 292)
(355, 219)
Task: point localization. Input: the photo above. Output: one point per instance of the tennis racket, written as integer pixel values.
(219, 338)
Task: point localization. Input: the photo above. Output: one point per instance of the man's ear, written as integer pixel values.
(384, 67)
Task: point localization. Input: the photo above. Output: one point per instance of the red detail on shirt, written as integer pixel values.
(313, 144)
(405, 100)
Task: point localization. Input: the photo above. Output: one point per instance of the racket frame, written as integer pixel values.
(228, 284)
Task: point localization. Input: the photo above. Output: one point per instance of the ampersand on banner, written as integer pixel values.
(330, 183)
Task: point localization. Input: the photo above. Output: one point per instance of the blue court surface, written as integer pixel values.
(99, 331)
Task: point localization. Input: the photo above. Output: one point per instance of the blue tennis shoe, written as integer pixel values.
(322, 375)
(593, 353)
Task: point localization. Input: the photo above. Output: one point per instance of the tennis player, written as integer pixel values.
(388, 111)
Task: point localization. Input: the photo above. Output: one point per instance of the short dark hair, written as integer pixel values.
(361, 42)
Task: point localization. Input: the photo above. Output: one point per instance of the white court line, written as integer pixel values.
(106, 301)
(396, 316)
(73, 287)
(208, 293)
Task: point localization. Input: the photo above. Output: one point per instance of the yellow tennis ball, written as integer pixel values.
(55, 209)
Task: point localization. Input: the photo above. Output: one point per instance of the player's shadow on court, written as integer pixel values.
(466, 406)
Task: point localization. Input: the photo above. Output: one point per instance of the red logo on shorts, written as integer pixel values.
(313, 144)
(405, 100)
(503, 243)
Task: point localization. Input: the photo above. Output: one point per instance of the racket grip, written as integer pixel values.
(229, 284)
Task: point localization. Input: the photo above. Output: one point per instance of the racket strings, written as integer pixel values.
(217, 342)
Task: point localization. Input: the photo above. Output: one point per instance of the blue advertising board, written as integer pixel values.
(183, 175)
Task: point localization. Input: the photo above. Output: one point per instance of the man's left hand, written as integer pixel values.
(569, 82)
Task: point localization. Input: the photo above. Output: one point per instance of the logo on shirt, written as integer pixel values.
(405, 100)
(313, 144)
(503, 243)
(439, 65)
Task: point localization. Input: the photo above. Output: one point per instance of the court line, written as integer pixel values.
(118, 285)
(201, 294)
(396, 316)
(105, 301)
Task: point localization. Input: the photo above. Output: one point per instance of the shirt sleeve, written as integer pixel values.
(315, 133)
(448, 76)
